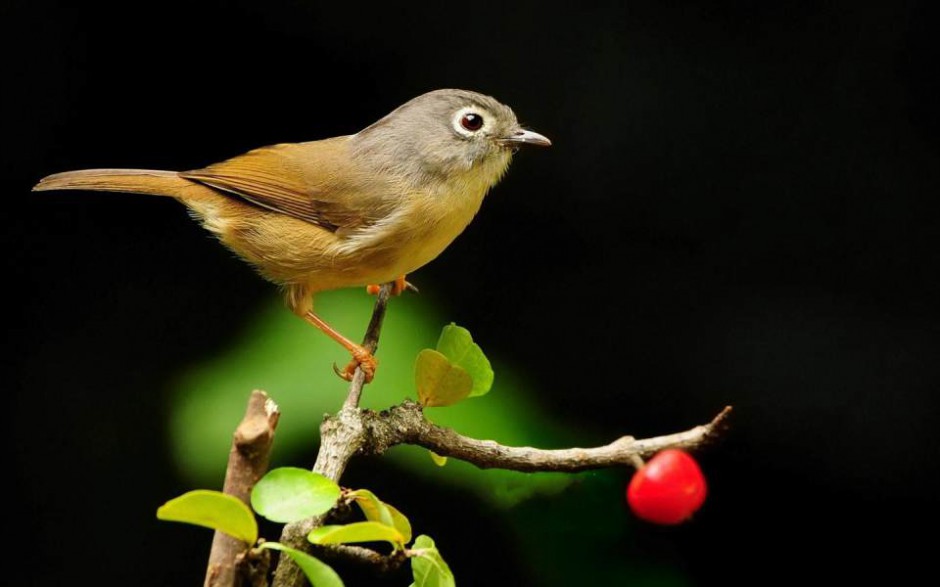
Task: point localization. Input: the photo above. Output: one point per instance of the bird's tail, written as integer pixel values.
(133, 181)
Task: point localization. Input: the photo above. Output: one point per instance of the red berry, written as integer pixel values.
(668, 489)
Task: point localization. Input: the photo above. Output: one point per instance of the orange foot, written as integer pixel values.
(362, 359)
(398, 286)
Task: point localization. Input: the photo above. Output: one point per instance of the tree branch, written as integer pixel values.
(378, 562)
(365, 432)
(370, 342)
(341, 437)
(247, 462)
(406, 424)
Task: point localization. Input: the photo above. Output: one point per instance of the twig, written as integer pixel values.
(378, 562)
(370, 342)
(406, 424)
(247, 462)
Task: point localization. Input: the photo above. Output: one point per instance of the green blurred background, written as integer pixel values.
(737, 209)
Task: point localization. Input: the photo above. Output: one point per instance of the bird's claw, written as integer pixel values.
(362, 360)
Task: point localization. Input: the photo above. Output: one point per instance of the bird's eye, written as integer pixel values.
(471, 121)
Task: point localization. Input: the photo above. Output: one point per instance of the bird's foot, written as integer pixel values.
(398, 287)
(362, 359)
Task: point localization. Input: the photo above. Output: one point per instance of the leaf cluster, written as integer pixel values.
(290, 494)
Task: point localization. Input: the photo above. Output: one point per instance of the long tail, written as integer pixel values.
(132, 181)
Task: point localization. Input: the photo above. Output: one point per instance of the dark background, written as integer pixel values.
(739, 207)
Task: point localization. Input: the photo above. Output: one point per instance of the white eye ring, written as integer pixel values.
(468, 116)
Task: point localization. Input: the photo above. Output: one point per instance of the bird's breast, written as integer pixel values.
(419, 230)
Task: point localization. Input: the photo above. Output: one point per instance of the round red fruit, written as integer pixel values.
(668, 489)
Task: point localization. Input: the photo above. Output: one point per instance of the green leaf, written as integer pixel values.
(212, 509)
(427, 565)
(289, 494)
(318, 573)
(439, 381)
(372, 507)
(376, 510)
(357, 532)
(401, 523)
(438, 459)
(457, 345)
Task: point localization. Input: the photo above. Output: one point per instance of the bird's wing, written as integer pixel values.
(314, 181)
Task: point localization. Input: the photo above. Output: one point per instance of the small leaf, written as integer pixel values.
(440, 382)
(289, 494)
(357, 532)
(438, 459)
(372, 507)
(457, 345)
(401, 523)
(212, 509)
(376, 510)
(318, 573)
(427, 565)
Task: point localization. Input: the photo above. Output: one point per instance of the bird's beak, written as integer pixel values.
(526, 137)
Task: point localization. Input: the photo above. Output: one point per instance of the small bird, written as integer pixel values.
(346, 211)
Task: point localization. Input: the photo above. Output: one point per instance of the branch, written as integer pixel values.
(365, 432)
(377, 562)
(247, 462)
(370, 342)
(406, 424)
(341, 437)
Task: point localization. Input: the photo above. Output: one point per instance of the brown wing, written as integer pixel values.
(316, 182)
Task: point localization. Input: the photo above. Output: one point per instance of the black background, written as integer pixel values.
(739, 207)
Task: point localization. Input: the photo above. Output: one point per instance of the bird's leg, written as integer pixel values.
(301, 302)
(362, 358)
(398, 287)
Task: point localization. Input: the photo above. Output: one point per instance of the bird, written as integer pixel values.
(347, 211)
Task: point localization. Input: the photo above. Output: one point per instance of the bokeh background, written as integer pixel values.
(739, 208)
